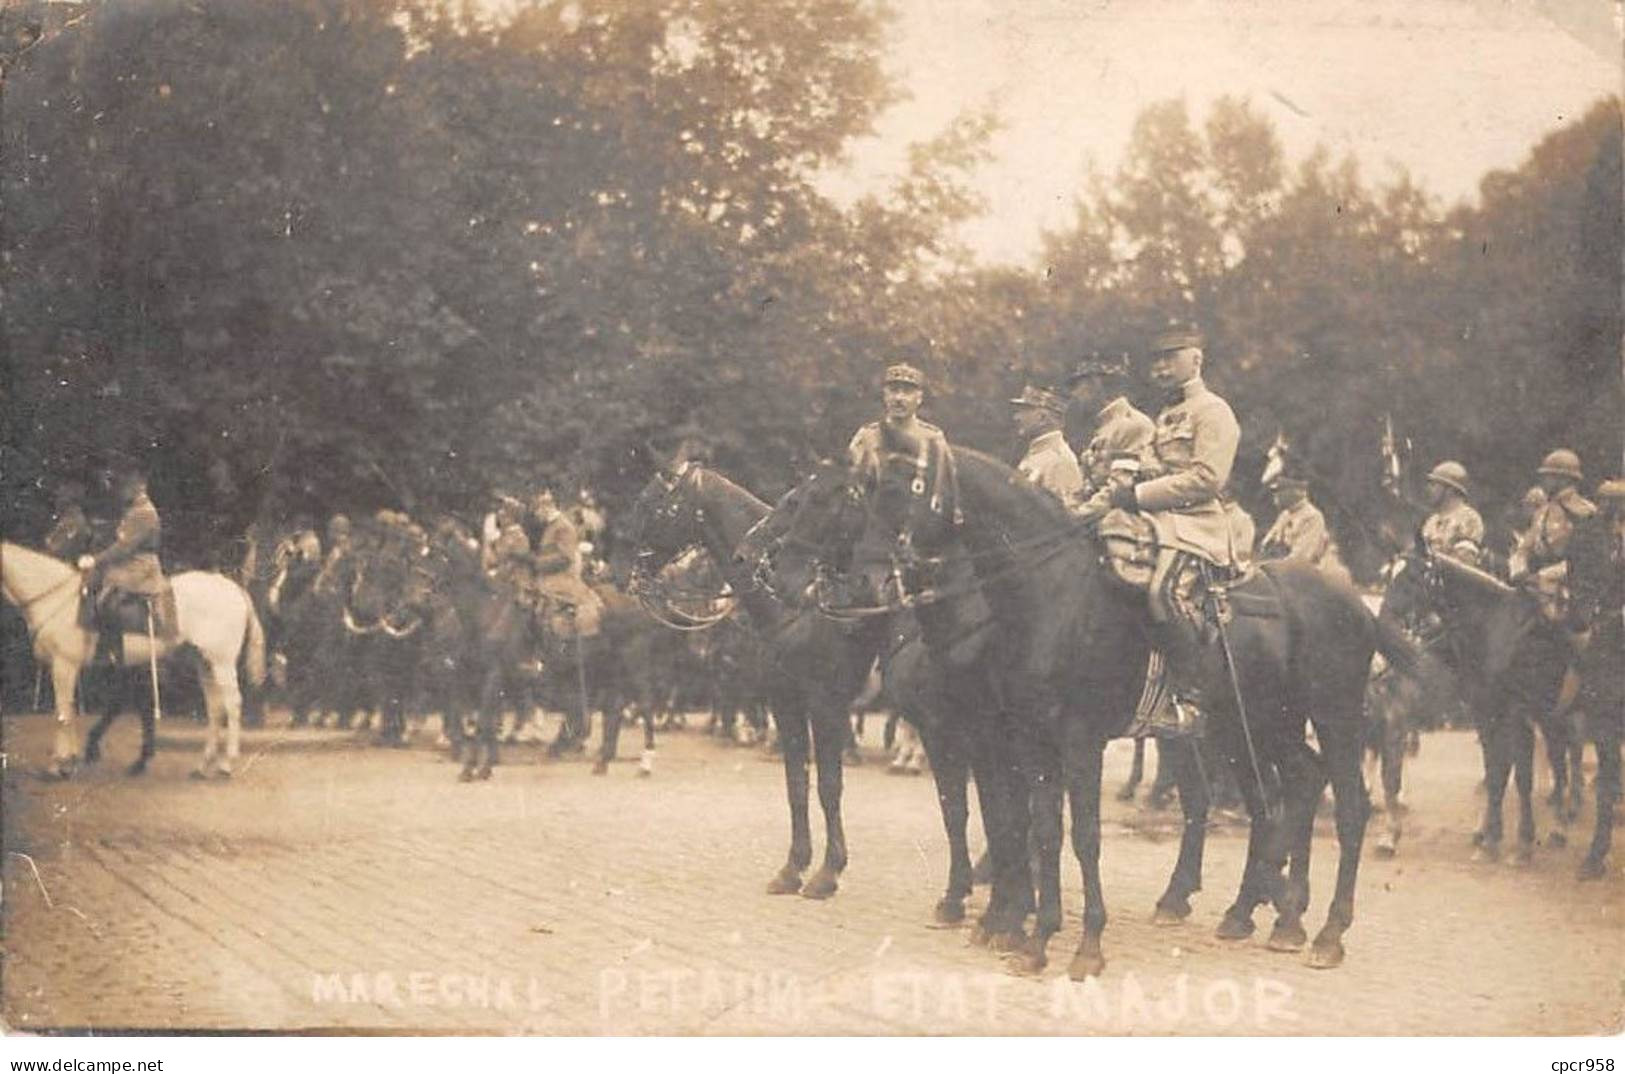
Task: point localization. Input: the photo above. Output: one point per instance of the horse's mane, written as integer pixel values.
(997, 478)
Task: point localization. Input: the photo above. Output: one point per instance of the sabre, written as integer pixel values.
(152, 666)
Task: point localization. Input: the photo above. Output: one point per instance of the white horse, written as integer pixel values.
(216, 619)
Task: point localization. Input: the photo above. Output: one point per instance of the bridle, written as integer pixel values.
(25, 603)
(385, 624)
(656, 595)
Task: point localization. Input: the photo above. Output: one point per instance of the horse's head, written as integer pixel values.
(390, 588)
(664, 521)
(822, 519)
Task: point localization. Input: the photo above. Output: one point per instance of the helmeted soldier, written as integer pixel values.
(1110, 427)
(1182, 491)
(1048, 462)
(1546, 542)
(129, 567)
(71, 535)
(902, 430)
(1454, 528)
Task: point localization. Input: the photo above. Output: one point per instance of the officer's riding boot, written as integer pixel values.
(110, 639)
(1184, 653)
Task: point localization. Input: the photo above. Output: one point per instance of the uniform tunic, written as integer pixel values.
(1120, 431)
(1191, 454)
(130, 563)
(1455, 530)
(1050, 465)
(870, 443)
(1547, 540)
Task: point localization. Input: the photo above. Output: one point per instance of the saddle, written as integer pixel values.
(127, 612)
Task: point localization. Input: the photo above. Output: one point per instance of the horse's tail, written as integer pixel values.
(254, 646)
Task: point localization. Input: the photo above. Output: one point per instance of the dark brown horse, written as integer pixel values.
(815, 667)
(1071, 655)
(961, 688)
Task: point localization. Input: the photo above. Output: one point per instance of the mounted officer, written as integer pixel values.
(1546, 542)
(128, 570)
(506, 557)
(1048, 462)
(578, 610)
(1181, 492)
(1455, 527)
(1109, 427)
(901, 430)
(71, 534)
(1300, 532)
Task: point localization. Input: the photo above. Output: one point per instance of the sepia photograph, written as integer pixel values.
(811, 518)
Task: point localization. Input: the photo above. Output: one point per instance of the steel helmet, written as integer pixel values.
(1561, 463)
(1450, 474)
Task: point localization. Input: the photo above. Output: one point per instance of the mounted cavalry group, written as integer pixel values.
(1021, 617)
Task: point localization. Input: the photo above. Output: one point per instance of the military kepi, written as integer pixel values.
(1175, 339)
(1042, 398)
(1098, 365)
(905, 375)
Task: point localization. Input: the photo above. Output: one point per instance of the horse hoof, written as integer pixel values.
(1086, 964)
(1557, 839)
(949, 911)
(1487, 854)
(91, 757)
(1385, 848)
(197, 774)
(1287, 938)
(1126, 794)
(139, 768)
(1025, 962)
(1592, 869)
(1232, 927)
(484, 772)
(821, 886)
(600, 768)
(1007, 942)
(785, 883)
(1326, 955)
(1521, 855)
(979, 936)
(466, 776)
(1168, 914)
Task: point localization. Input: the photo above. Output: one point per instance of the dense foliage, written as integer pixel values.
(316, 254)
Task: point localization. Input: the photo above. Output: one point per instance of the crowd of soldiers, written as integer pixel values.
(1086, 444)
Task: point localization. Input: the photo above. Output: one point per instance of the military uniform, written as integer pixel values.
(1299, 533)
(870, 443)
(71, 535)
(508, 561)
(1121, 431)
(1547, 541)
(1050, 465)
(130, 564)
(1192, 451)
(1455, 530)
(558, 574)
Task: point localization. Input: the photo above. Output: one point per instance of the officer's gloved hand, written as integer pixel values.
(87, 563)
(1123, 496)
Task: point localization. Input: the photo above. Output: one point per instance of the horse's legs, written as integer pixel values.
(832, 735)
(212, 704)
(1340, 750)
(1136, 773)
(613, 716)
(1498, 752)
(950, 769)
(1083, 761)
(1237, 923)
(1523, 760)
(790, 716)
(109, 712)
(1395, 732)
(1183, 759)
(1043, 770)
(1605, 732)
(1001, 797)
(1302, 780)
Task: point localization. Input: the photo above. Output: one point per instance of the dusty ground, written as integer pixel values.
(337, 885)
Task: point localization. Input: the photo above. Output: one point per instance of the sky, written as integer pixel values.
(1446, 89)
